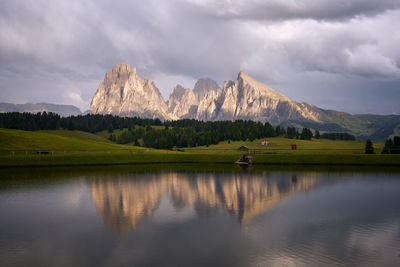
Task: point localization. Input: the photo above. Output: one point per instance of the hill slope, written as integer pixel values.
(59, 140)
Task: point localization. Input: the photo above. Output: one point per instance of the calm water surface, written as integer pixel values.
(130, 217)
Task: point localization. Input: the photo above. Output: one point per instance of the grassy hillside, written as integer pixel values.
(105, 134)
(375, 127)
(74, 148)
(63, 139)
(79, 135)
(279, 145)
(57, 139)
(353, 124)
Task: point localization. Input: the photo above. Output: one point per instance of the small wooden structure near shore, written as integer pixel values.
(245, 160)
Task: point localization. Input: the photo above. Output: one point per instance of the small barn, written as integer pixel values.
(265, 142)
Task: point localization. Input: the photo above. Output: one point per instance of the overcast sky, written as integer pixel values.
(342, 54)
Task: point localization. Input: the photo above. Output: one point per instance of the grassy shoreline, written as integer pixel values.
(191, 158)
(74, 148)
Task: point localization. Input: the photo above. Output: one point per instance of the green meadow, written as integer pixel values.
(54, 140)
(75, 148)
(281, 145)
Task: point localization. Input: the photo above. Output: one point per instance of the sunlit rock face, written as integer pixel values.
(248, 99)
(209, 107)
(203, 86)
(124, 202)
(182, 103)
(124, 93)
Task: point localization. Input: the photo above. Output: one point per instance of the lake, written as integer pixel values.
(199, 216)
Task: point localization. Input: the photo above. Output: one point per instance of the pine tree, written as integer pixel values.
(369, 148)
(112, 138)
(392, 146)
(387, 149)
(251, 137)
(278, 130)
(317, 134)
(110, 128)
(291, 132)
(306, 134)
(396, 145)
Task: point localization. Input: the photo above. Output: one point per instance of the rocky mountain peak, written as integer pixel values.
(242, 75)
(203, 86)
(179, 91)
(250, 82)
(119, 74)
(182, 103)
(244, 78)
(123, 92)
(248, 99)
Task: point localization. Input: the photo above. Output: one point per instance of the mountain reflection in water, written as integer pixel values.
(123, 201)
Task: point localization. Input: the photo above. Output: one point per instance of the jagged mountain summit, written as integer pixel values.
(204, 86)
(182, 103)
(124, 93)
(249, 99)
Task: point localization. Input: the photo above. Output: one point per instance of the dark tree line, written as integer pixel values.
(307, 134)
(191, 133)
(179, 133)
(338, 136)
(29, 121)
(87, 123)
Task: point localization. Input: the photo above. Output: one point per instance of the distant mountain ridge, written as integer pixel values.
(62, 110)
(124, 93)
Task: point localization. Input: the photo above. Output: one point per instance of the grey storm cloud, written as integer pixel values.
(323, 52)
(296, 9)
